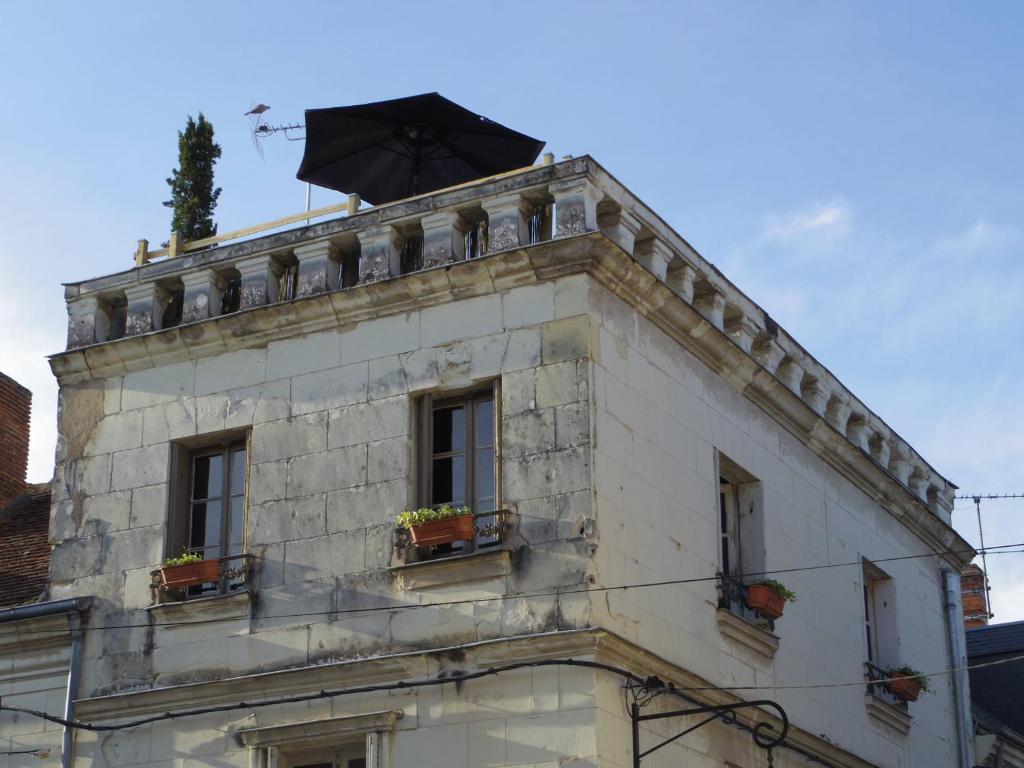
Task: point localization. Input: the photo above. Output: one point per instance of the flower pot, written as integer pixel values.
(765, 600)
(445, 531)
(904, 687)
(190, 574)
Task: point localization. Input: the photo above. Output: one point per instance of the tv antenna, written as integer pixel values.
(976, 498)
(260, 128)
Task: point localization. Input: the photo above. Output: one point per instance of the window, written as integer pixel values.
(880, 637)
(353, 741)
(741, 532)
(346, 757)
(208, 514)
(476, 239)
(457, 457)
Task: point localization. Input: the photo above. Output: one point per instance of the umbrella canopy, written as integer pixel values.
(388, 150)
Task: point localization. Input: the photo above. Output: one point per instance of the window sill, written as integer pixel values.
(487, 564)
(747, 634)
(895, 717)
(231, 605)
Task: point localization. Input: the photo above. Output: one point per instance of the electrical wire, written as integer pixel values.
(992, 550)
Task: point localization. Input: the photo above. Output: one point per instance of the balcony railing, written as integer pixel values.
(877, 687)
(732, 596)
(233, 574)
(492, 531)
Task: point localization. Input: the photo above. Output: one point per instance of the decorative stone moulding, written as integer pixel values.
(506, 227)
(444, 239)
(380, 254)
(586, 199)
(319, 269)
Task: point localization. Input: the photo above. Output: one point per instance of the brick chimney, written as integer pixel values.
(15, 413)
(973, 594)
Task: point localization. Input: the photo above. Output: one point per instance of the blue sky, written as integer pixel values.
(855, 168)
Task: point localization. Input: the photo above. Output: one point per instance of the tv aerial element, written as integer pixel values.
(259, 128)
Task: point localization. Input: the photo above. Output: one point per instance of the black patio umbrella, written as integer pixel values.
(388, 150)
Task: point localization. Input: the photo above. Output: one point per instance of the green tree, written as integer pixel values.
(193, 196)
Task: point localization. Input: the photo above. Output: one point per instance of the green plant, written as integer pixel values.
(193, 196)
(185, 558)
(778, 588)
(915, 674)
(412, 517)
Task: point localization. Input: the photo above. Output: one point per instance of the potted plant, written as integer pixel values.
(906, 683)
(768, 597)
(188, 570)
(431, 526)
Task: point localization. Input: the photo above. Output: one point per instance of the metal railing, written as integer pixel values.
(732, 596)
(875, 676)
(491, 530)
(233, 573)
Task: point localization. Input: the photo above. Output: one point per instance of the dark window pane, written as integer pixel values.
(208, 477)
(449, 429)
(484, 480)
(449, 481)
(237, 479)
(356, 762)
(484, 423)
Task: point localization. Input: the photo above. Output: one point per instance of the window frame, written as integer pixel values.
(425, 454)
(181, 501)
(740, 522)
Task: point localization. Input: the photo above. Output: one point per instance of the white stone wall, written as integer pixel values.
(329, 467)
(531, 719)
(659, 415)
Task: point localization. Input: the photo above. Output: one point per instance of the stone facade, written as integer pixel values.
(626, 366)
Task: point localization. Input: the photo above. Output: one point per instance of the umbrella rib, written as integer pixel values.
(457, 155)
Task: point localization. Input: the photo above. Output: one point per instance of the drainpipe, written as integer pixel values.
(73, 608)
(957, 660)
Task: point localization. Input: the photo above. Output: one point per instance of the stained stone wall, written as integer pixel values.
(328, 419)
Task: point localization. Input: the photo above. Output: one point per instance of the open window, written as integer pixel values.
(457, 461)
(880, 636)
(353, 741)
(207, 513)
(741, 533)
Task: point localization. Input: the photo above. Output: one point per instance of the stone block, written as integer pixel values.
(546, 474)
(284, 439)
(139, 467)
(566, 339)
(106, 513)
(262, 402)
(146, 305)
(385, 336)
(295, 604)
(268, 482)
(506, 222)
(296, 356)
(88, 322)
(575, 207)
(149, 506)
(368, 422)
(420, 369)
(230, 370)
(388, 459)
(119, 432)
(365, 506)
(327, 471)
(293, 518)
(324, 557)
(333, 388)
(460, 320)
(168, 421)
(528, 305)
(518, 392)
(153, 386)
(529, 432)
(387, 377)
(112, 395)
(522, 350)
(557, 384)
(572, 424)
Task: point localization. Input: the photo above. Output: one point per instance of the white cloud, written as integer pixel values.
(832, 219)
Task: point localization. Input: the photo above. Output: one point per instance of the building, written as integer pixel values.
(996, 653)
(39, 639)
(542, 347)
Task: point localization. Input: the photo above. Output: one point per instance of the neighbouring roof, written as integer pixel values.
(24, 533)
(996, 689)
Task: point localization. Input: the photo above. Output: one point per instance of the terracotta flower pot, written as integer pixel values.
(445, 531)
(904, 687)
(765, 600)
(190, 574)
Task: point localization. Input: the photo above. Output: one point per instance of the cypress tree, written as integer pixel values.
(193, 196)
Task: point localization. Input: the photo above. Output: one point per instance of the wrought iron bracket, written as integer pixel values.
(763, 733)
